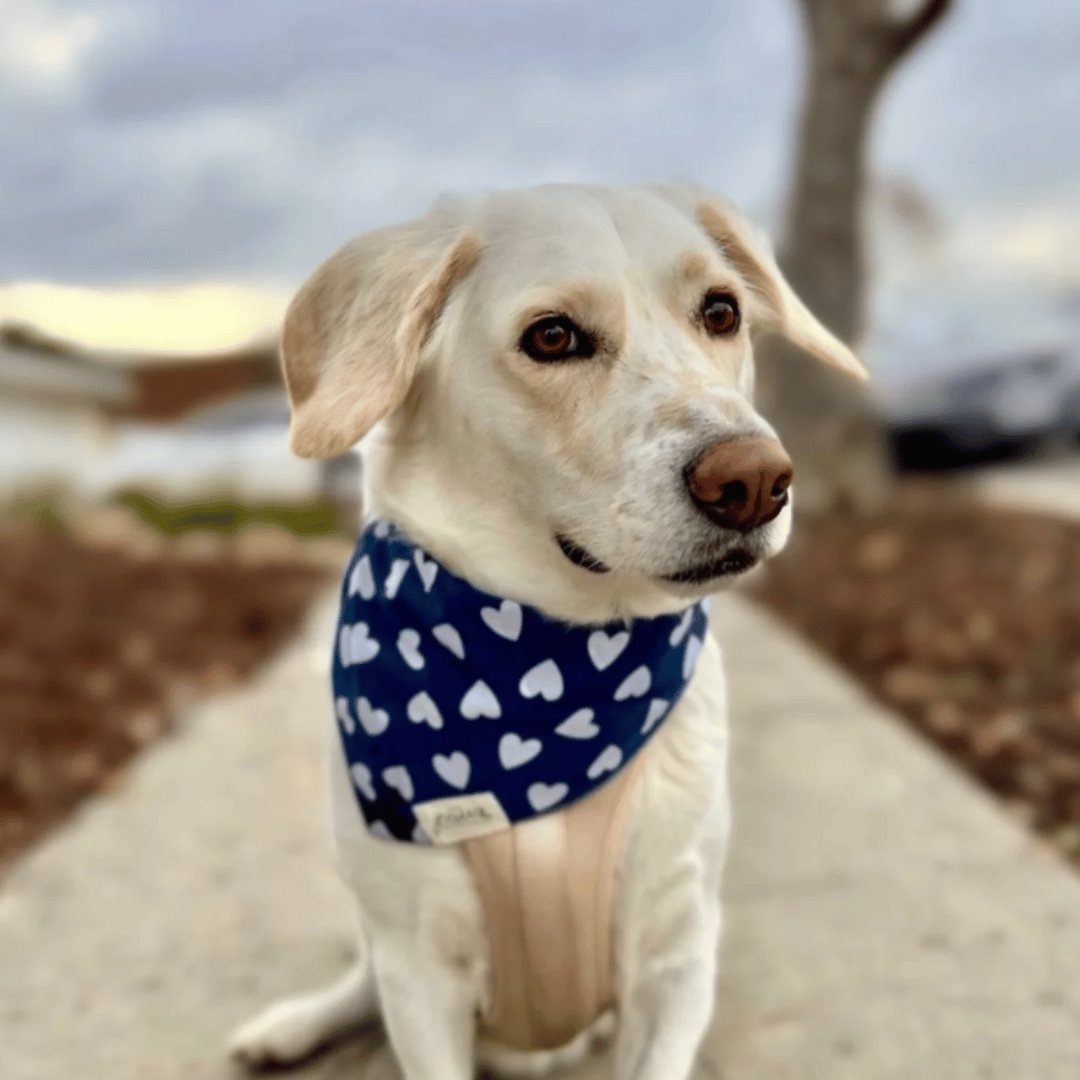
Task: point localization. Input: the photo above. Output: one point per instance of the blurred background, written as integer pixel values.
(172, 171)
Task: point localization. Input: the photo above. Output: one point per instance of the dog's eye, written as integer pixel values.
(556, 338)
(720, 314)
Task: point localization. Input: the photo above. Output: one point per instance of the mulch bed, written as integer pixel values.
(964, 619)
(95, 647)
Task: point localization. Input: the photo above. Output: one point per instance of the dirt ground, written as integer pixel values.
(98, 644)
(964, 619)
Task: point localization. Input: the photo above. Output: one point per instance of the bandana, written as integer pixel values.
(461, 713)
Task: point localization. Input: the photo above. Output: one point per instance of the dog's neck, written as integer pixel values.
(483, 540)
(421, 654)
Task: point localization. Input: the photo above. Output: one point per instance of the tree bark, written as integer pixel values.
(829, 423)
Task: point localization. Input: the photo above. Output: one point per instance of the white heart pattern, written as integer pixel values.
(454, 769)
(578, 725)
(657, 708)
(422, 710)
(361, 580)
(635, 684)
(341, 707)
(693, 650)
(609, 760)
(403, 619)
(505, 620)
(354, 645)
(408, 644)
(605, 650)
(480, 700)
(397, 777)
(394, 579)
(447, 636)
(680, 631)
(543, 796)
(374, 721)
(361, 775)
(428, 569)
(545, 679)
(515, 751)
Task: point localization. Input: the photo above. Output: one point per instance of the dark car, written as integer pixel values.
(1002, 408)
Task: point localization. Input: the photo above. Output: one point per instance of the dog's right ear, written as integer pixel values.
(353, 334)
(778, 307)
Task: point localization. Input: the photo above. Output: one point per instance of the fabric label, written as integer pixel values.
(461, 817)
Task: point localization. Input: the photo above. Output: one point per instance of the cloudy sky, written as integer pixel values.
(165, 142)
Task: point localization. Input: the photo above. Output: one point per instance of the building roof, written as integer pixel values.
(152, 386)
(60, 377)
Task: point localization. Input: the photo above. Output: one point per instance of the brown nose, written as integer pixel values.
(741, 483)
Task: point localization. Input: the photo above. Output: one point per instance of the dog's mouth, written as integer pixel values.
(579, 556)
(736, 561)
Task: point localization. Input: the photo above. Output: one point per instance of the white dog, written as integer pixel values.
(554, 391)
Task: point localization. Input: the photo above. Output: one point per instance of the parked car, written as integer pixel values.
(1005, 407)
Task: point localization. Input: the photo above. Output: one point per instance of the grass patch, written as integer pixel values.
(229, 516)
(45, 510)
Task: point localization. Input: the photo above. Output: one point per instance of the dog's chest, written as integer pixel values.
(547, 888)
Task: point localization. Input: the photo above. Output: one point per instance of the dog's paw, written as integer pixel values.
(282, 1035)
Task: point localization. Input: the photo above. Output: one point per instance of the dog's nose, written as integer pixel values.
(741, 483)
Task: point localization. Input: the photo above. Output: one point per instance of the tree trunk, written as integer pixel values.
(829, 423)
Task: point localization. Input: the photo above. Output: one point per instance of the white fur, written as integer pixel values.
(482, 458)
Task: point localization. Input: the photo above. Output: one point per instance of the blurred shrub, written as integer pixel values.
(229, 516)
(46, 510)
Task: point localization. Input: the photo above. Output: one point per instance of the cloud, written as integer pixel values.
(985, 111)
(187, 319)
(214, 143)
(43, 46)
(168, 142)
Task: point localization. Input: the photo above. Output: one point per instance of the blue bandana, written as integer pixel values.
(461, 713)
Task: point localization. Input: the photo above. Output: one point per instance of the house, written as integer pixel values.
(95, 422)
(132, 386)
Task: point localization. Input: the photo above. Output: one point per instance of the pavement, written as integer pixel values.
(1043, 487)
(884, 920)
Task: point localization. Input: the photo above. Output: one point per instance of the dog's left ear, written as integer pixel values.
(354, 333)
(777, 307)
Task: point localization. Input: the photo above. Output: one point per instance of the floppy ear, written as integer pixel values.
(777, 307)
(354, 332)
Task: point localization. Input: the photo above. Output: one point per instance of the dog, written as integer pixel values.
(552, 393)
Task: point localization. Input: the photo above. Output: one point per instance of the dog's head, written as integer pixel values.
(557, 384)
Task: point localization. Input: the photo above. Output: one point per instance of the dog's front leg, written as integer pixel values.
(668, 987)
(429, 1009)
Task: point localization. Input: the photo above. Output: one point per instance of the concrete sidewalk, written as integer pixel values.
(1041, 487)
(884, 920)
